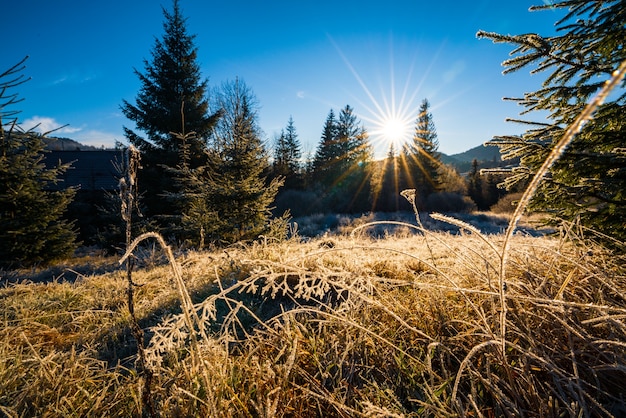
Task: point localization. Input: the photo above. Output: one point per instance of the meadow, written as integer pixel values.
(408, 322)
(411, 321)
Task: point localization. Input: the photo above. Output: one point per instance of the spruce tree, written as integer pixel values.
(424, 159)
(324, 164)
(352, 140)
(279, 165)
(170, 81)
(388, 198)
(171, 86)
(32, 203)
(234, 198)
(293, 147)
(475, 186)
(287, 157)
(342, 163)
(588, 182)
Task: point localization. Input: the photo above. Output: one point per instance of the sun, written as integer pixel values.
(393, 129)
(389, 112)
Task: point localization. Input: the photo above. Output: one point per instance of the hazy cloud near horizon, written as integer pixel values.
(93, 137)
(43, 124)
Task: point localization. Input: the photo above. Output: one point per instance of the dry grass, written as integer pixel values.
(356, 326)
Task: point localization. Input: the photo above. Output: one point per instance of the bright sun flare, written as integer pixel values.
(394, 130)
(391, 115)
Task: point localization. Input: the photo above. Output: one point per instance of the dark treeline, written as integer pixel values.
(343, 177)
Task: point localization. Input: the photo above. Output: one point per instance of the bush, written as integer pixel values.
(507, 203)
(32, 203)
(449, 202)
(298, 202)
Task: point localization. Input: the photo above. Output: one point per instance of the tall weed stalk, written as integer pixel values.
(559, 148)
(129, 204)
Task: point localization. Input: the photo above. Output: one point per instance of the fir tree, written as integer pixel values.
(327, 155)
(234, 198)
(423, 157)
(341, 165)
(388, 197)
(170, 82)
(279, 165)
(352, 139)
(187, 223)
(287, 156)
(32, 204)
(475, 186)
(589, 180)
(292, 144)
(492, 193)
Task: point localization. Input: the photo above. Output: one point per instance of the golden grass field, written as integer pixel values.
(416, 323)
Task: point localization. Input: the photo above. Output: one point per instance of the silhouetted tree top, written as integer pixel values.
(170, 84)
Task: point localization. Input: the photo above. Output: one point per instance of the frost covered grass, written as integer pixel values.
(348, 325)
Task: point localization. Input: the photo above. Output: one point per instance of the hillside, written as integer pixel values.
(66, 144)
(487, 157)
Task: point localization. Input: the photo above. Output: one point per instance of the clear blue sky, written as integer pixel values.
(300, 58)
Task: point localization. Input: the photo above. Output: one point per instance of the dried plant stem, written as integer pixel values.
(411, 195)
(466, 361)
(556, 153)
(191, 317)
(128, 192)
(370, 224)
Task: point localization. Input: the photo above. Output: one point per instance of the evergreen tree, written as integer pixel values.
(189, 194)
(292, 143)
(279, 165)
(388, 197)
(232, 201)
(352, 140)
(423, 157)
(413, 178)
(589, 180)
(450, 181)
(32, 204)
(287, 157)
(341, 165)
(172, 79)
(171, 86)
(324, 165)
(492, 193)
(475, 186)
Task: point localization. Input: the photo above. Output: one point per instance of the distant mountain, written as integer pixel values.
(487, 157)
(61, 144)
(67, 144)
(481, 153)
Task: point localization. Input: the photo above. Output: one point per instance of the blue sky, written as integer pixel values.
(300, 58)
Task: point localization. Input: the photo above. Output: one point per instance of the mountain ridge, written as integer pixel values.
(67, 144)
(487, 156)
